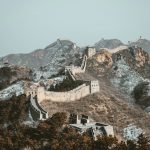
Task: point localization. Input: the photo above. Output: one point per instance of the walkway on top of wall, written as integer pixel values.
(84, 76)
(71, 75)
(84, 61)
(36, 106)
(82, 69)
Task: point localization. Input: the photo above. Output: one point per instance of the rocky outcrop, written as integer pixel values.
(104, 57)
(48, 61)
(136, 58)
(130, 67)
(125, 69)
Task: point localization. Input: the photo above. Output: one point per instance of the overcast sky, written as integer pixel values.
(26, 25)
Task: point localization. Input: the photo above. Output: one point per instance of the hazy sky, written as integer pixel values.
(26, 25)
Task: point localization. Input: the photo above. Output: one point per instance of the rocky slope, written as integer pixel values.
(136, 58)
(125, 69)
(49, 60)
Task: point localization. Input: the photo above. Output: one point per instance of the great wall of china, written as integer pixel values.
(39, 94)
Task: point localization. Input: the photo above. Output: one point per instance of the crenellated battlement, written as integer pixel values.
(72, 95)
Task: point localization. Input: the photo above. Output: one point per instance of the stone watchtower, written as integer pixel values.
(94, 86)
(90, 51)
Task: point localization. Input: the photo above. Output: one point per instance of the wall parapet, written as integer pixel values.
(72, 70)
(72, 95)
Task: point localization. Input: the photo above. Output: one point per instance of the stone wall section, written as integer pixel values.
(83, 90)
(94, 87)
(68, 96)
(36, 110)
(32, 92)
(41, 94)
(90, 51)
(75, 94)
(75, 69)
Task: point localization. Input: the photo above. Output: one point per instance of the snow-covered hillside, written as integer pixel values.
(38, 75)
(124, 77)
(131, 132)
(15, 89)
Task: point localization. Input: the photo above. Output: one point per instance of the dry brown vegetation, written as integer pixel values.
(109, 106)
(141, 95)
(106, 109)
(14, 110)
(54, 134)
(10, 75)
(5, 76)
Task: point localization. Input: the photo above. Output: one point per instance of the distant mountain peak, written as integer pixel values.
(61, 42)
(143, 43)
(108, 43)
(53, 58)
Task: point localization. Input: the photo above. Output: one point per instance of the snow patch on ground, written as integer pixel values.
(43, 74)
(58, 55)
(124, 77)
(54, 81)
(59, 79)
(15, 89)
(131, 132)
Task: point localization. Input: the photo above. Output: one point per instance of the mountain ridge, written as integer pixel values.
(38, 55)
(118, 73)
